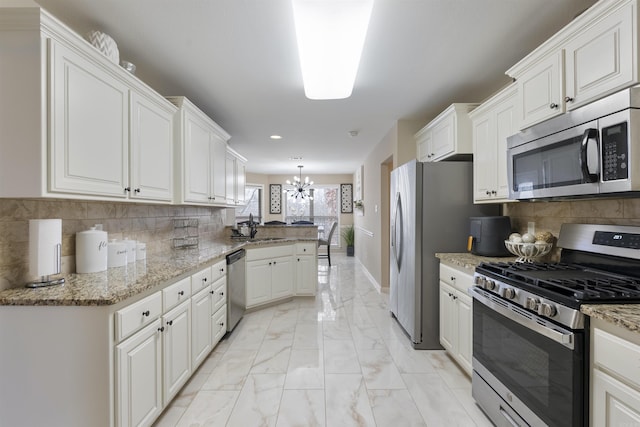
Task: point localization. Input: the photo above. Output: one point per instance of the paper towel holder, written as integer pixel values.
(45, 252)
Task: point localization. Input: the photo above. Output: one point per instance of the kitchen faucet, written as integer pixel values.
(252, 226)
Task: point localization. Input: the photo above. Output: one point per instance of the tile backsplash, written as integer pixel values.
(151, 224)
(549, 216)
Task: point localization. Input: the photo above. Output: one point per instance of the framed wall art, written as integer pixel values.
(346, 198)
(275, 198)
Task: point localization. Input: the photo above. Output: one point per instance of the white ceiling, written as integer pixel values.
(237, 60)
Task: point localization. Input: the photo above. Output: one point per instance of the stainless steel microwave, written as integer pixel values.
(593, 150)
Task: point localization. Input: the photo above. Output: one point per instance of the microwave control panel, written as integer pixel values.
(615, 152)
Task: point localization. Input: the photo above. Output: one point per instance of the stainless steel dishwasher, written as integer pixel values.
(236, 288)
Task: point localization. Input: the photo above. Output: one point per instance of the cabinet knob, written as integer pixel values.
(269, 263)
(161, 329)
(455, 297)
(304, 250)
(488, 193)
(211, 198)
(127, 189)
(146, 313)
(212, 292)
(137, 190)
(181, 293)
(553, 105)
(568, 99)
(222, 270)
(221, 323)
(298, 259)
(204, 279)
(453, 278)
(221, 293)
(494, 192)
(170, 322)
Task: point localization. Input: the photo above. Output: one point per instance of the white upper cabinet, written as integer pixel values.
(200, 156)
(492, 122)
(235, 178)
(591, 57)
(446, 136)
(86, 128)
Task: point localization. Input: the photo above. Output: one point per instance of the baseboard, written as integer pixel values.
(373, 281)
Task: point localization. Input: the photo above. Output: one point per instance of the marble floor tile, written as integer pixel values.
(336, 359)
(303, 408)
(259, 401)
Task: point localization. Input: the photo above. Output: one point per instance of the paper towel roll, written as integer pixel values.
(45, 246)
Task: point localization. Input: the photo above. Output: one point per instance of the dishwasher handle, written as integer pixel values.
(236, 256)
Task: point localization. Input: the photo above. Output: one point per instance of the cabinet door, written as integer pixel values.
(426, 146)
(151, 148)
(240, 181)
(89, 127)
(139, 377)
(614, 404)
(230, 179)
(465, 331)
(218, 170)
(282, 273)
(484, 157)
(218, 325)
(196, 168)
(443, 137)
(176, 349)
(506, 125)
(258, 282)
(602, 59)
(448, 317)
(306, 275)
(200, 326)
(541, 91)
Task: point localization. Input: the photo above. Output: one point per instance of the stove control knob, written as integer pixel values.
(508, 293)
(547, 310)
(532, 303)
(478, 280)
(490, 284)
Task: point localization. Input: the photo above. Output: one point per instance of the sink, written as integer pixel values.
(264, 239)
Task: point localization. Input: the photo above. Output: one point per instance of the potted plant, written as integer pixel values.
(349, 235)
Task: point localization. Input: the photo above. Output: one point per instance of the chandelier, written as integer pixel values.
(299, 188)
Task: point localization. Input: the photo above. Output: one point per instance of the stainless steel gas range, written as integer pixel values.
(530, 340)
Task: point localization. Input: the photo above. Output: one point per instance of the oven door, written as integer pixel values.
(531, 367)
(563, 164)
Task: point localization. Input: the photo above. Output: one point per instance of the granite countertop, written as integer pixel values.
(117, 284)
(626, 316)
(468, 261)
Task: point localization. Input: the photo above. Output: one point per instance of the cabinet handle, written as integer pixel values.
(304, 250)
(170, 322)
(553, 105)
(137, 190)
(222, 294)
(212, 292)
(211, 198)
(494, 192)
(568, 99)
(204, 279)
(298, 259)
(181, 293)
(488, 193)
(455, 297)
(221, 323)
(127, 189)
(453, 278)
(269, 263)
(146, 313)
(222, 270)
(161, 329)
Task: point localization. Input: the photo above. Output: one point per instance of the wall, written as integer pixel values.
(549, 216)
(151, 224)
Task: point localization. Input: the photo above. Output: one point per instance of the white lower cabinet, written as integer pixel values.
(456, 315)
(201, 323)
(176, 349)
(270, 274)
(139, 377)
(615, 377)
(306, 259)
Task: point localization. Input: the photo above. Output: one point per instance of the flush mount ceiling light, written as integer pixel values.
(275, 137)
(330, 35)
(298, 188)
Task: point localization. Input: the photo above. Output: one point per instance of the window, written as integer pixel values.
(253, 196)
(323, 210)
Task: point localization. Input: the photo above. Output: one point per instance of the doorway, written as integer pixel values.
(385, 205)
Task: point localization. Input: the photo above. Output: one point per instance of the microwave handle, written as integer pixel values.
(589, 155)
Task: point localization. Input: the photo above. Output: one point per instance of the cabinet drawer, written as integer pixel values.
(617, 355)
(219, 294)
(219, 269)
(306, 248)
(200, 280)
(270, 252)
(456, 278)
(137, 315)
(174, 294)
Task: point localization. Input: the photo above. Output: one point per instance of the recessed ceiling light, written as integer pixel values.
(275, 137)
(295, 158)
(330, 36)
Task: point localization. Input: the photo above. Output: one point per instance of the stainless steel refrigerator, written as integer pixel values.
(430, 208)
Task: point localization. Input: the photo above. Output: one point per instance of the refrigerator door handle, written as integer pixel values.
(396, 236)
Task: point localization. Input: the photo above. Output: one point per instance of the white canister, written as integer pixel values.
(131, 250)
(117, 254)
(141, 251)
(91, 251)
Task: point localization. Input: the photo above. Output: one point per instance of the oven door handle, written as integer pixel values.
(589, 155)
(566, 339)
(508, 417)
